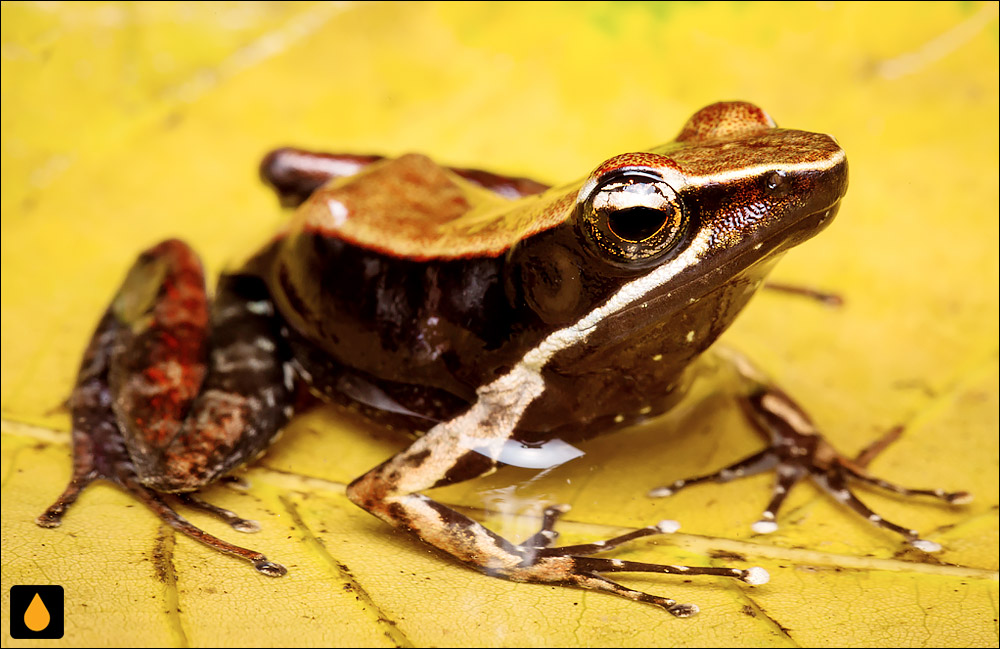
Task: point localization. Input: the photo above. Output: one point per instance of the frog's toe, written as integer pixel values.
(835, 481)
(270, 568)
(585, 572)
(748, 466)
(586, 549)
(547, 536)
(50, 519)
(764, 526)
(244, 525)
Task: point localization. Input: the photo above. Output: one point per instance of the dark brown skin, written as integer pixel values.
(427, 296)
(451, 325)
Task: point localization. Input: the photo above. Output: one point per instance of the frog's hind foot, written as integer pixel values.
(145, 367)
(167, 514)
(799, 451)
(124, 476)
(52, 517)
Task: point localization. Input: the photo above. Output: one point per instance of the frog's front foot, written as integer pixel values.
(799, 451)
(532, 561)
(543, 563)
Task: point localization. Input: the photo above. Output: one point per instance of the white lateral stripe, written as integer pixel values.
(501, 404)
(632, 292)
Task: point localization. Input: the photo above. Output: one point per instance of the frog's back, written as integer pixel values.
(412, 208)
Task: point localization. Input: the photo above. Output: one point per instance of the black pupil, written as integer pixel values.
(636, 223)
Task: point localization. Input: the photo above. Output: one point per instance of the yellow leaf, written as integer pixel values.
(127, 123)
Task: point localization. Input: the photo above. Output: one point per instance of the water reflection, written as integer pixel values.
(543, 455)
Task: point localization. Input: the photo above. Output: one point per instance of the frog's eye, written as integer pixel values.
(633, 217)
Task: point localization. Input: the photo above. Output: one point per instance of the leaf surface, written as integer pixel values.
(127, 123)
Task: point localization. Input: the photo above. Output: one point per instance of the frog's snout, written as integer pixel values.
(831, 183)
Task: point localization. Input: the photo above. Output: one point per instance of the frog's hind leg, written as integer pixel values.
(98, 447)
(294, 174)
(140, 377)
(94, 427)
(798, 451)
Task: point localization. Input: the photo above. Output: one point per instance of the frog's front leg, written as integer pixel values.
(823, 297)
(151, 413)
(466, 447)
(797, 450)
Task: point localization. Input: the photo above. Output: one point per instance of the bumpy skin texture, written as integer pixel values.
(429, 297)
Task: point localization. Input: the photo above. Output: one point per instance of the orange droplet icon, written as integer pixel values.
(36, 617)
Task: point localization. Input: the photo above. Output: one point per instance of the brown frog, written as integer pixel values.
(487, 312)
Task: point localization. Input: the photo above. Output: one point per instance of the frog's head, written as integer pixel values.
(651, 234)
(730, 181)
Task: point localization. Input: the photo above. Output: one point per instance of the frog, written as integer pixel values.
(482, 312)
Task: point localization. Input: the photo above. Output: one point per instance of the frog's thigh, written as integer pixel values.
(244, 401)
(152, 336)
(294, 174)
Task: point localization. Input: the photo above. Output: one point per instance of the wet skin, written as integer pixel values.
(479, 310)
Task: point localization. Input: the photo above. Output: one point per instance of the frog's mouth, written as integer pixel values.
(774, 241)
(799, 231)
